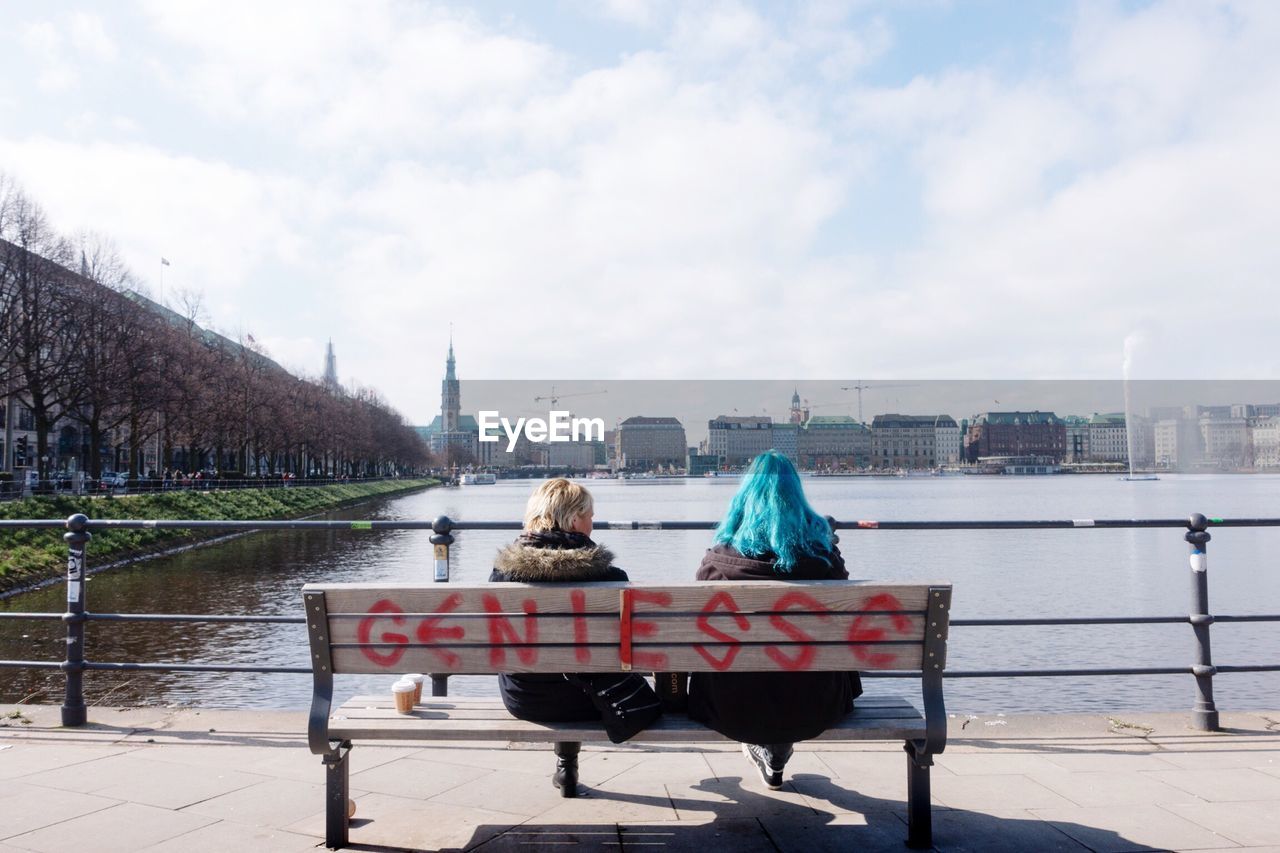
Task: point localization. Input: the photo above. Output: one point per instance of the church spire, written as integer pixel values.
(330, 367)
(449, 363)
(450, 393)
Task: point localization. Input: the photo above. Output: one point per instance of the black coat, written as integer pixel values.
(771, 707)
(553, 557)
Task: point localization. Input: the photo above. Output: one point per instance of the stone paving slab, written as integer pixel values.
(123, 828)
(198, 779)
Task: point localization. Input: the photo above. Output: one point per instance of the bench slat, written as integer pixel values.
(510, 598)
(604, 629)
(680, 658)
(872, 721)
(378, 708)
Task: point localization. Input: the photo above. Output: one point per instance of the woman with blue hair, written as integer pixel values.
(771, 533)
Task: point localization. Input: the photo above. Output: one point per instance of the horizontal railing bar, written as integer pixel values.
(955, 623)
(192, 617)
(194, 667)
(873, 674)
(1253, 617)
(1071, 620)
(459, 525)
(1055, 673)
(30, 664)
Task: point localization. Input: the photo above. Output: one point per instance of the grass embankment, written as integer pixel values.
(29, 556)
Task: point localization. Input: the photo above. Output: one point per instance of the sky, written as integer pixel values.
(642, 189)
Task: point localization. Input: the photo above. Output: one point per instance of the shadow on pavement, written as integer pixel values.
(750, 821)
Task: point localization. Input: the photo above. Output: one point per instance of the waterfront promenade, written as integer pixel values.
(208, 780)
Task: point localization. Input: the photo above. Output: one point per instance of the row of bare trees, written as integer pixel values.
(79, 345)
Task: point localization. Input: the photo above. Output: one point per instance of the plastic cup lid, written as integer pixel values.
(415, 677)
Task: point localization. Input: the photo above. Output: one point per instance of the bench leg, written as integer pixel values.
(919, 804)
(336, 788)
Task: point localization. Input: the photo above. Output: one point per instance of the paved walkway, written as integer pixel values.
(199, 780)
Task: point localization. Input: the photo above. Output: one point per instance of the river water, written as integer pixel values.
(1079, 572)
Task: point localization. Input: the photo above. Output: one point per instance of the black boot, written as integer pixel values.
(566, 776)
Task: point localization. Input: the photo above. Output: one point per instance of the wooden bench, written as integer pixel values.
(611, 627)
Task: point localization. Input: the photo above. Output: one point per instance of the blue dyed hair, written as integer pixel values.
(769, 515)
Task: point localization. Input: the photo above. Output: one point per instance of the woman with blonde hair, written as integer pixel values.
(556, 547)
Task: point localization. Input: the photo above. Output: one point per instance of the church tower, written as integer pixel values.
(797, 413)
(330, 367)
(450, 395)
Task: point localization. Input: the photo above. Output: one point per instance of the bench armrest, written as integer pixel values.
(935, 713)
(321, 671)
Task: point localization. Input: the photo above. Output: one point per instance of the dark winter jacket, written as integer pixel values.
(771, 707)
(555, 557)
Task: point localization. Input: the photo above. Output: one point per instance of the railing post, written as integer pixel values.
(1205, 713)
(441, 539)
(77, 537)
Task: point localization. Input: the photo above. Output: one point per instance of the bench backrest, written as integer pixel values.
(607, 627)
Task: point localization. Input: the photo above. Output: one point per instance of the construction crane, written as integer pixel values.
(859, 387)
(556, 398)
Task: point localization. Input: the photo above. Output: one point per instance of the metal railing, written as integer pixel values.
(79, 531)
(90, 487)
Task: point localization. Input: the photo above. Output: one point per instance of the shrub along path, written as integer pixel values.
(29, 556)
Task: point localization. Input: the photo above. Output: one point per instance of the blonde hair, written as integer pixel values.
(555, 505)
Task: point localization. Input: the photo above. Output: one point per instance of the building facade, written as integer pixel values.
(646, 444)
(833, 443)
(904, 441)
(946, 433)
(1266, 442)
(1226, 442)
(1108, 438)
(1035, 433)
(786, 439)
(735, 440)
(1077, 439)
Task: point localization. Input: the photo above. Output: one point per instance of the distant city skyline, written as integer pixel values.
(694, 403)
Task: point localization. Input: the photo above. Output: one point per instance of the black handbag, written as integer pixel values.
(626, 702)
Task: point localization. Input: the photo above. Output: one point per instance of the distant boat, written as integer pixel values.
(1139, 478)
(477, 480)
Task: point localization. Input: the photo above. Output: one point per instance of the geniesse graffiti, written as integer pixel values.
(510, 636)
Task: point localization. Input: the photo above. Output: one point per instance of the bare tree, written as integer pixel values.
(41, 327)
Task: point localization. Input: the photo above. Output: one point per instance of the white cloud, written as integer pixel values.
(216, 223)
(371, 172)
(89, 36)
(44, 47)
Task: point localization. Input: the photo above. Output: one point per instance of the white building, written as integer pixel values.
(1226, 441)
(946, 437)
(1108, 438)
(1266, 442)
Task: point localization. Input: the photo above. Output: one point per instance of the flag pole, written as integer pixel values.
(164, 262)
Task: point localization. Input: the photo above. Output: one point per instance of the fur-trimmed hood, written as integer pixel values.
(526, 564)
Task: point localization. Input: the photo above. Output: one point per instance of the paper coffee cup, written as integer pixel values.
(403, 693)
(416, 678)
